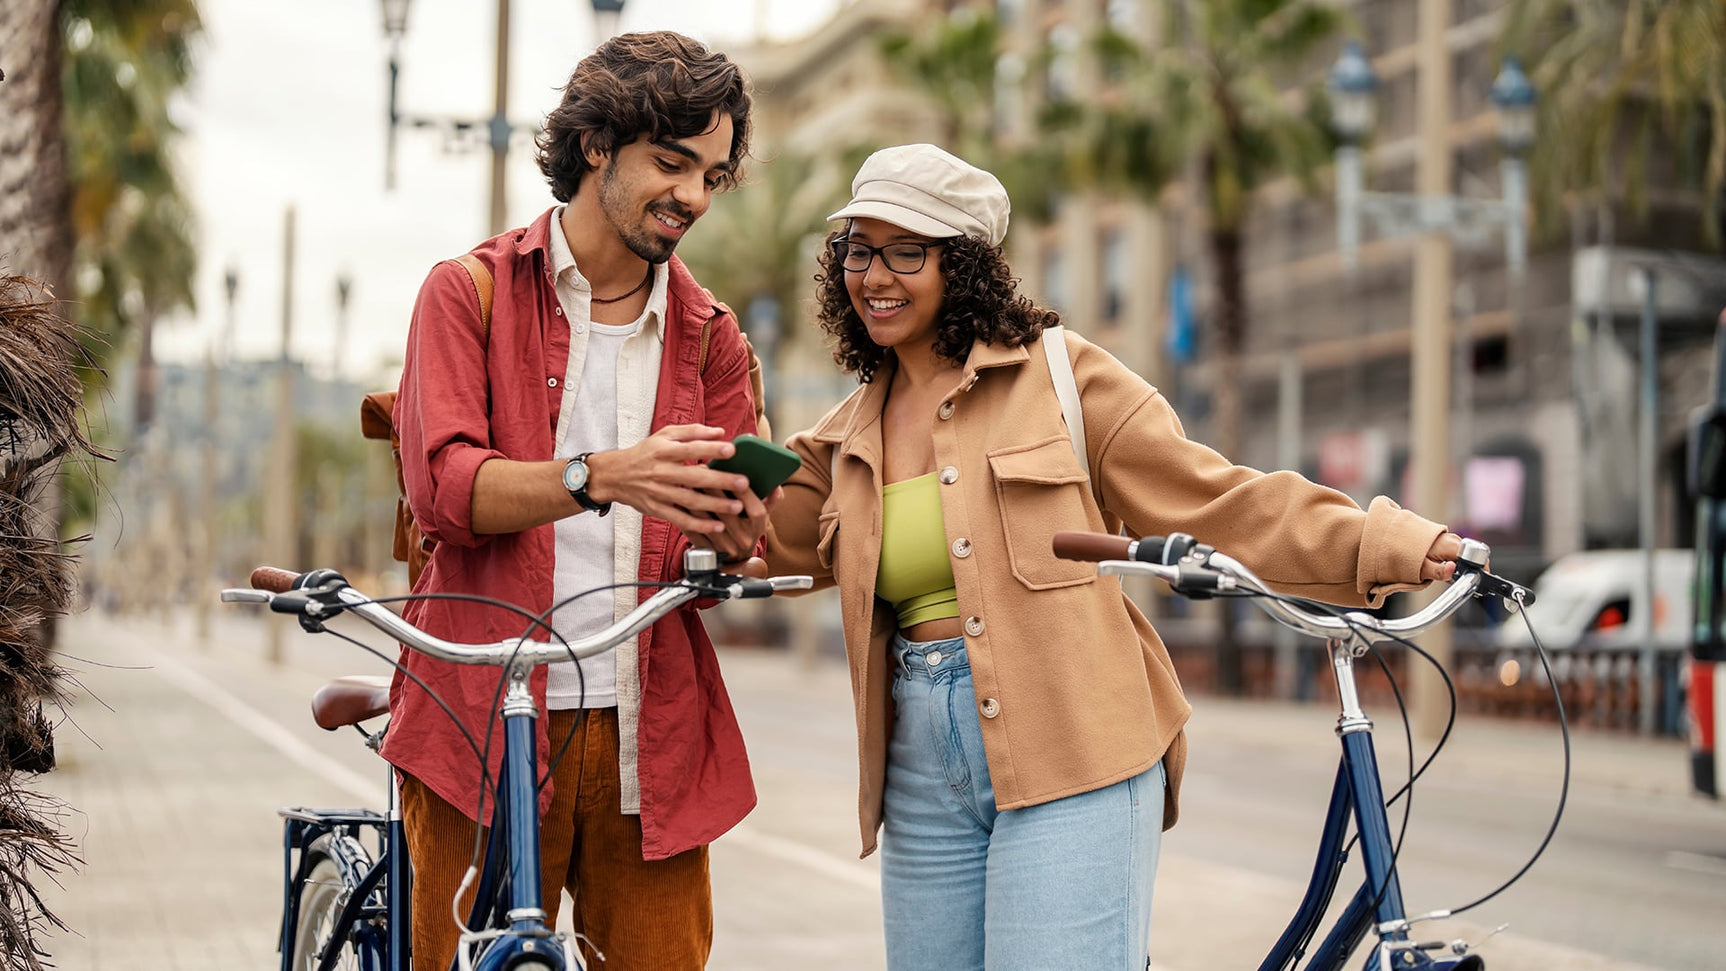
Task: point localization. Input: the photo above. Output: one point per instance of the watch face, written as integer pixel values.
(575, 475)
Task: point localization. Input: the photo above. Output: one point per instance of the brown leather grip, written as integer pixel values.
(273, 579)
(1091, 547)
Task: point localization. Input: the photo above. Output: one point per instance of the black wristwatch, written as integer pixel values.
(575, 473)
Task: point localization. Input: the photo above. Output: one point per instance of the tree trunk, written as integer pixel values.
(1227, 245)
(35, 222)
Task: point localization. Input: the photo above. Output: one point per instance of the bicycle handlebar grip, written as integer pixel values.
(273, 579)
(1091, 547)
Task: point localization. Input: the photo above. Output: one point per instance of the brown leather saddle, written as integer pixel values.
(350, 700)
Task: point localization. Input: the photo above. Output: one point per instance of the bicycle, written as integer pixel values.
(1199, 572)
(345, 905)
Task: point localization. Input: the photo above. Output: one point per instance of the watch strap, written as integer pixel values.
(580, 495)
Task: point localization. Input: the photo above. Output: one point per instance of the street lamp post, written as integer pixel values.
(1352, 86)
(344, 289)
(1437, 219)
(496, 132)
(606, 14)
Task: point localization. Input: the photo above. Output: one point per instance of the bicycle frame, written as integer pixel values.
(1357, 789)
(389, 876)
(517, 839)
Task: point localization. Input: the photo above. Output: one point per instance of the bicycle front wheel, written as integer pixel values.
(326, 889)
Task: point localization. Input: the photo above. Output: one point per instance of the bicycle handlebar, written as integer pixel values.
(274, 579)
(322, 594)
(1198, 571)
(1093, 547)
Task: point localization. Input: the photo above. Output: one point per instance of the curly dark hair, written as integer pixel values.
(660, 84)
(979, 300)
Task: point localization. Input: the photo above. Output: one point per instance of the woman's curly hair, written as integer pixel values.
(979, 301)
(660, 84)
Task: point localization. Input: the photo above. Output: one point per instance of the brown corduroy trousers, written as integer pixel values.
(642, 915)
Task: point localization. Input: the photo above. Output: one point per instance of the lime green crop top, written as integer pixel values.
(915, 575)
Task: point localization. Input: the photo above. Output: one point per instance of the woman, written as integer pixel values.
(1019, 722)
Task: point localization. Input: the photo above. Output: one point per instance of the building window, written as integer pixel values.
(1122, 16)
(1009, 93)
(1055, 279)
(1113, 247)
(1062, 80)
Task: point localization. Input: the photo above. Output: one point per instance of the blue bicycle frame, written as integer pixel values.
(1357, 790)
(376, 919)
(519, 906)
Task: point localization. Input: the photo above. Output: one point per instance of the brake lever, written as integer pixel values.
(732, 587)
(1472, 559)
(311, 606)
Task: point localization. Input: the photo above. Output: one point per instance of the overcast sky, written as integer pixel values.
(289, 108)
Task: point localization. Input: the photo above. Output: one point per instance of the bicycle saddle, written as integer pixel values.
(350, 700)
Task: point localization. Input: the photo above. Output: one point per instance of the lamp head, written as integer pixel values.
(1352, 86)
(395, 18)
(1513, 95)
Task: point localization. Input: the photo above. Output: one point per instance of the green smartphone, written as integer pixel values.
(765, 464)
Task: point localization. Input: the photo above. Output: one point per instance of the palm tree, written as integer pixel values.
(1626, 84)
(135, 258)
(759, 244)
(1213, 108)
(952, 63)
(35, 237)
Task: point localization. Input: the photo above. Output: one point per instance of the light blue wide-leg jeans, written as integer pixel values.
(1060, 885)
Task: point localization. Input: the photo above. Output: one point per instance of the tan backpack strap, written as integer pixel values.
(701, 360)
(482, 287)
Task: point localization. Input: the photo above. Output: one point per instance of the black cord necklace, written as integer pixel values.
(637, 289)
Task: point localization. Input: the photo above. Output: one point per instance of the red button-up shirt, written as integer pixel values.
(468, 396)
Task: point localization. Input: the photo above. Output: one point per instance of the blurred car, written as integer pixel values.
(1595, 598)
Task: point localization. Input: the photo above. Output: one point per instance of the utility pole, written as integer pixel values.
(500, 126)
(279, 496)
(1434, 277)
(216, 356)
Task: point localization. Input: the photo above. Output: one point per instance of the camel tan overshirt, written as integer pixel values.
(1075, 690)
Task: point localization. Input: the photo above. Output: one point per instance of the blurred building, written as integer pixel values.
(1544, 393)
(164, 500)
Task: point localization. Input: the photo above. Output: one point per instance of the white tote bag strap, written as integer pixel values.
(1067, 390)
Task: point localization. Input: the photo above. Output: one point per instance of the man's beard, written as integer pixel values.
(615, 203)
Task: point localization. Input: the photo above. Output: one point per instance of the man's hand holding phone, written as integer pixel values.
(764, 466)
(667, 475)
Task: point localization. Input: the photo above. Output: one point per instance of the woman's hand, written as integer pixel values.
(742, 531)
(1440, 562)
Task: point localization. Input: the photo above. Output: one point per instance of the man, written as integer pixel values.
(562, 448)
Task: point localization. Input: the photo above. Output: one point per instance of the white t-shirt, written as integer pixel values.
(609, 390)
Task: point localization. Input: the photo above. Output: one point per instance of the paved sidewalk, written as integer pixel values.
(177, 759)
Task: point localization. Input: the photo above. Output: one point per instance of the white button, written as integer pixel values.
(974, 626)
(551, 382)
(949, 475)
(933, 657)
(989, 707)
(581, 328)
(945, 411)
(961, 547)
(558, 311)
(969, 383)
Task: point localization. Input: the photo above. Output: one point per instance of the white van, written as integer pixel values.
(1595, 597)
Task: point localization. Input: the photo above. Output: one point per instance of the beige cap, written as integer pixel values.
(926, 190)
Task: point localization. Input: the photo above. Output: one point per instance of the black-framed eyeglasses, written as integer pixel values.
(855, 257)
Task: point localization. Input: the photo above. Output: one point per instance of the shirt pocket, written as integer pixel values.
(827, 530)
(1042, 491)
